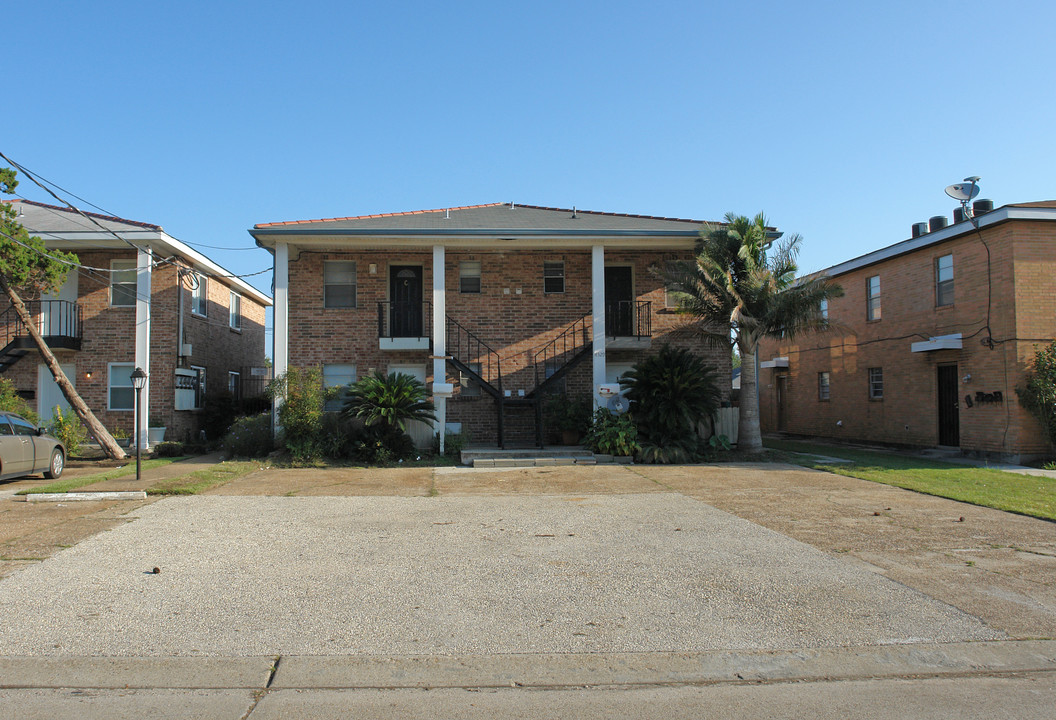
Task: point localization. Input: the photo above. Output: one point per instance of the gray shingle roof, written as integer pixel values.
(500, 217)
(38, 218)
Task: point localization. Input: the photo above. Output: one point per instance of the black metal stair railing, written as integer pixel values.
(58, 321)
(629, 318)
(553, 360)
(398, 319)
(474, 358)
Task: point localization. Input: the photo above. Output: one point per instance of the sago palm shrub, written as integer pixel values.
(671, 394)
(385, 404)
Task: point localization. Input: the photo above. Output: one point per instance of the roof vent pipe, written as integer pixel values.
(573, 212)
(920, 229)
(937, 222)
(958, 215)
(981, 207)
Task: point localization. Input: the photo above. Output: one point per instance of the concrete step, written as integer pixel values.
(527, 457)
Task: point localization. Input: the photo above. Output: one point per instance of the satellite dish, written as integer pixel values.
(964, 192)
(619, 404)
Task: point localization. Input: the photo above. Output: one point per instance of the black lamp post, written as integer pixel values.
(139, 381)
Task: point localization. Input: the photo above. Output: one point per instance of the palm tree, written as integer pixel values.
(737, 281)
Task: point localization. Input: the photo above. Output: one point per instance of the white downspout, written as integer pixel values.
(441, 388)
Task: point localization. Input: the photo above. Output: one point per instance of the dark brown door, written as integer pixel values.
(405, 294)
(619, 302)
(782, 401)
(949, 412)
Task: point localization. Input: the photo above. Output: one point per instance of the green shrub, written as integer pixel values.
(249, 437)
(218, 412)
(68, 428)
(567, 414)
(11, 401)
(301, 412)
(380, 445)
(390, 400)
(612, 434)
(1038, 395)
(454, 443)
(169, 449)
(672, 394)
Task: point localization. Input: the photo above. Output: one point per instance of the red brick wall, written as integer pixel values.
(512, 314)
(109, 337)
(1023, 278)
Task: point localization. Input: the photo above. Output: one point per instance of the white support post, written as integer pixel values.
(597, 294)
(280, 359)
(441, 388)
(143, 297)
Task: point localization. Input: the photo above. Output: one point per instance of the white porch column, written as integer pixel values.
(143, 296)
(280, 359)
(597, 293)
(441, 388)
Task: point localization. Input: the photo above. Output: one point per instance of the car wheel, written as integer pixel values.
(58, 462)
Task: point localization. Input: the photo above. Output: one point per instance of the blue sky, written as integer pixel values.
(842, 121)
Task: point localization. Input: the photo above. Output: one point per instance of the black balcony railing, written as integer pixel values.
(58, 321)
(629, 318)
(405, 319)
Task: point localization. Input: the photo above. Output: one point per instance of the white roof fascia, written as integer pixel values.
(949, 232)
(499, 241)
(939, 342)
(160, 242)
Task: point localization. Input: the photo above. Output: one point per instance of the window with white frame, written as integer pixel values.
(199, 295)
(121, 393)
(470, 387)
(824, 308)
(553, 277)
(944, 280)
(235, 313)
(199, 389)
(823, 386)
(339, 284)
(338, 375)
(122, 283)
(673, 296)
(234, 384)
(876, 383)
(872, 298)
(469, 277)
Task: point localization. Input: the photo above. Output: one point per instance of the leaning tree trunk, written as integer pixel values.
(749, 437)
(96, 428)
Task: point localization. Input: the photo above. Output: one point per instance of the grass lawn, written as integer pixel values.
(61, 486)
(202, 480)
(1023, 494)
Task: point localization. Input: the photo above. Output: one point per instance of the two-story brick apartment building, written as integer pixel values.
(930, 340)
(490, 305)
(140, 298)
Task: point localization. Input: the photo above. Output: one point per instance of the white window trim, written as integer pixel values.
(479, 277)
(200, 396)
(564, 284)
(233, 314)
(132, 266)
(354, 284)
(110, 385)
(354, 375)
(204, 289)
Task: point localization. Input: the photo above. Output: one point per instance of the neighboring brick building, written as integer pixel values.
(140, 299)
(530, 300)
(911, 360)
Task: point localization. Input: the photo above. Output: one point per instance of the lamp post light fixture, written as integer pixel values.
(139, 381)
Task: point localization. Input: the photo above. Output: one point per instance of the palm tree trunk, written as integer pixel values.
(96, 428)
(749, 436)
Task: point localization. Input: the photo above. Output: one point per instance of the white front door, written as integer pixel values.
(48, 393)
(420, 432)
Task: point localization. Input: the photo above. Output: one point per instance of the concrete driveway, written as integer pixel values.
(296, 592)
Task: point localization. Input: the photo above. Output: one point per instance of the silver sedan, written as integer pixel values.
(26, 449)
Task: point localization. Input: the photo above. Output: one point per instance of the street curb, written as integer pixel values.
(86, 496)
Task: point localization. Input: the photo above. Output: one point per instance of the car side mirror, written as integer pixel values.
(42, 431)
